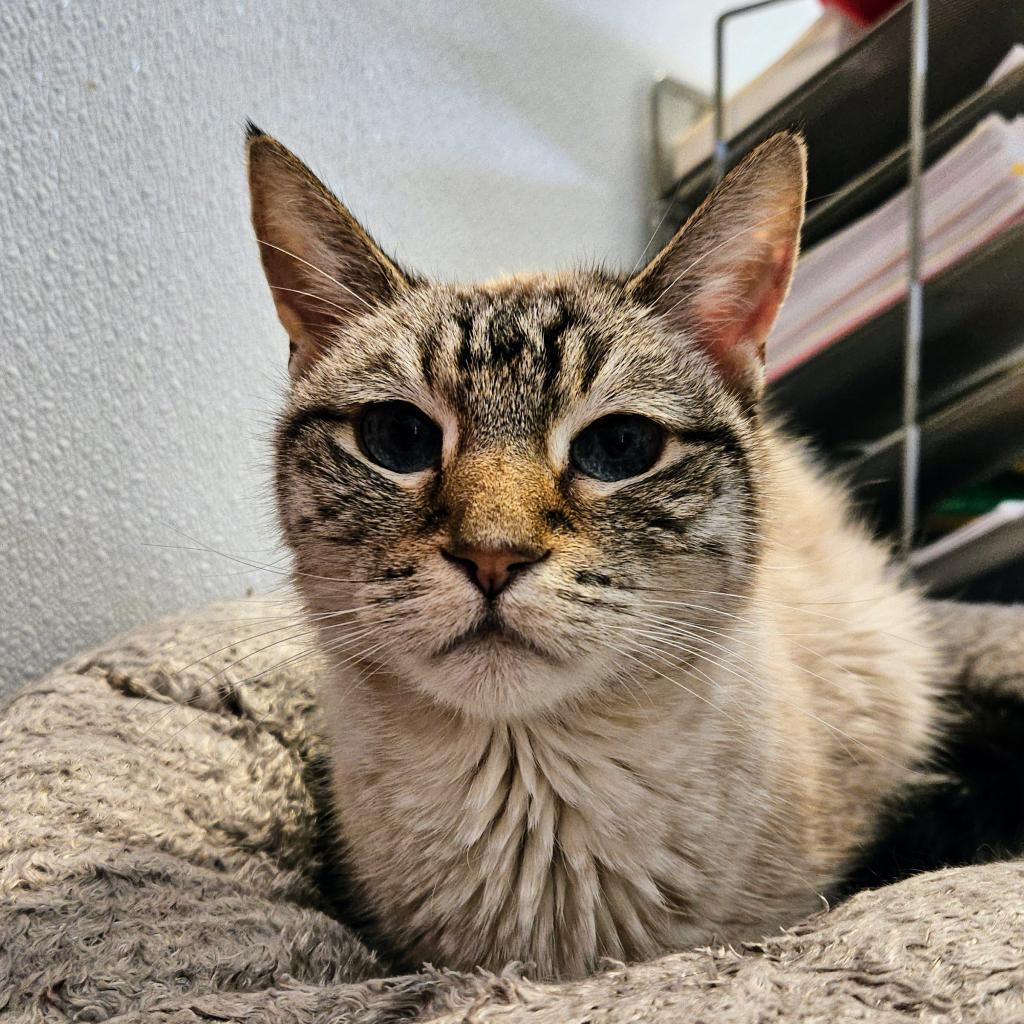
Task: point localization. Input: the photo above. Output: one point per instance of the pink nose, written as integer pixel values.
(492, 569)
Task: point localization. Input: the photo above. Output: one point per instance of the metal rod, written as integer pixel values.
(720, 154)
(664, 91)
(914, 325)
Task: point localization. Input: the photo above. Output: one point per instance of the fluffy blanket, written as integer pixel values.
(161, 859)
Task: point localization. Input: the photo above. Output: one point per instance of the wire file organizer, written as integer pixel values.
(873, 118)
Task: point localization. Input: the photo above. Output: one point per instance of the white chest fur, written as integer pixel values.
(621, 833)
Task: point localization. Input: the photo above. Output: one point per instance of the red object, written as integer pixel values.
(866, 12)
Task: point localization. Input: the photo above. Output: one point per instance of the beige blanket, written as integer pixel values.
(161, 860)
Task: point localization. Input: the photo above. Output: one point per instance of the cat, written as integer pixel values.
(613, 668)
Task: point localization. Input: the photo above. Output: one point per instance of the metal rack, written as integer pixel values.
(914, 316)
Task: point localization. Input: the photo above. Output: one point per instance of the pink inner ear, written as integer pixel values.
(737, 318)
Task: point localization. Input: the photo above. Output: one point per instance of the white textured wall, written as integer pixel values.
(141, 359)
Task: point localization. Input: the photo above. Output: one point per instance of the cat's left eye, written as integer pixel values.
(617, 447)
(399, 437)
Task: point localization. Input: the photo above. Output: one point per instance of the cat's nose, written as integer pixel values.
(491, 568)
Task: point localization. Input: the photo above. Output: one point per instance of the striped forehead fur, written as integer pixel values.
(510, 364)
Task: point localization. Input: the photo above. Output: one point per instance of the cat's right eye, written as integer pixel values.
(399, 437)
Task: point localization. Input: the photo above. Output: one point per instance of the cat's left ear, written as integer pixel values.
(722, 278)
(323, 269)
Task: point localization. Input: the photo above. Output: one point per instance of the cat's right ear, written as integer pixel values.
(323, 269)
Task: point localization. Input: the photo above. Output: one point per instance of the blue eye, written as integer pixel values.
(399, 437)
(617, 447)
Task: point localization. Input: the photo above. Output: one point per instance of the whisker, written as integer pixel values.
(309, 295)
(785, 212)
(806, 712)
(803, 609)
(753, 681)
(266, 647)
(827, 659)
(668, 209)
(311, 621)
(200, 546)
(322, 272)
(312, 651)
(175, 704)
(675, 682)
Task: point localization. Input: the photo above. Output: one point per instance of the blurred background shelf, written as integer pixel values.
(983, 553)
(850, 392)
(846, 396)
(967, 441)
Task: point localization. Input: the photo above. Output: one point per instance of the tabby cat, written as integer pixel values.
(614, 670)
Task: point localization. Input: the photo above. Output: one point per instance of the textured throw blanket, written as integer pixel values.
(161, 859)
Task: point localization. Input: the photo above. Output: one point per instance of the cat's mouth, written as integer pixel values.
(493, 630)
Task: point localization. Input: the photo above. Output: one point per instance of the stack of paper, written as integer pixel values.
(972, 194)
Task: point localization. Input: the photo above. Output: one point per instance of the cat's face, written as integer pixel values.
(493, 493)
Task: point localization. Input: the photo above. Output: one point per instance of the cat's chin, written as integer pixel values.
(494, 678)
